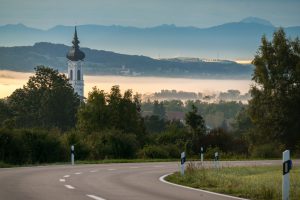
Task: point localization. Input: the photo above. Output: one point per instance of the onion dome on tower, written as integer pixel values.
(74, 53)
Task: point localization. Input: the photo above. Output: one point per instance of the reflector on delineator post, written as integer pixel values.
(286, 167)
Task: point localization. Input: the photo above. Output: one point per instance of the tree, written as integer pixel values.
(159, 110)
(46, 101)
(197, 125)
(112, 111)
(274, 107)
(195, 121)
(93, 115)
(5, 113)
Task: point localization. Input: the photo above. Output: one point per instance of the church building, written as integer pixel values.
(75, 64)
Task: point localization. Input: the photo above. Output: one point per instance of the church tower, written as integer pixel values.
(75, 64)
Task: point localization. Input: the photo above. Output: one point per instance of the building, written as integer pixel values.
(75, 64)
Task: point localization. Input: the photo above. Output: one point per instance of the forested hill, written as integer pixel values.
(99, 62)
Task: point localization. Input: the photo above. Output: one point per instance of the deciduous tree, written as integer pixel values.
(46, 101)
(275, 104)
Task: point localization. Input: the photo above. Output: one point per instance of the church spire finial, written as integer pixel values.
(75, 39)
(75, 54)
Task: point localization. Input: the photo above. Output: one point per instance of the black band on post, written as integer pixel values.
(286, 167)
(182, 160)
(216, 158)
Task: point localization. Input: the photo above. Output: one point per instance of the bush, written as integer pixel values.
(153, 151)
(78, 139)
(266, 151)
(116, 144)
(157, 151)
(210, 153)
(30, 147)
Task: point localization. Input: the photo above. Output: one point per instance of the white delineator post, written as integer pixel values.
(72, 155)
(182, 161)
(286, 167)
(216, 160)
(201, 155)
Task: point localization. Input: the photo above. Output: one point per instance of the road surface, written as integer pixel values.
(128, 181)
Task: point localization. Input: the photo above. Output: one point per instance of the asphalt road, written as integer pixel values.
(130, 181)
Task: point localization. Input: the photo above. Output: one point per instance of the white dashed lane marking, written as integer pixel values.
(133, 167)
(95, 197)
(77, 173)
(111, 169)
(62, 180)
(69, 187)
(66, 176)
(94, 171)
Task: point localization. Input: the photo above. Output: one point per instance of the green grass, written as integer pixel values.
(257, 182)
(5, 165)
(123, 161)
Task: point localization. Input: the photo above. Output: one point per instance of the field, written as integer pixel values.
(256, 182)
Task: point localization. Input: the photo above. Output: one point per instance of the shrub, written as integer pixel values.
(117, 144)
(78, 139)
(210, 152)
(153, 151)
(29, 147)
(266, 151)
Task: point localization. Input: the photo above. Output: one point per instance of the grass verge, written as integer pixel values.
(256, 182)
(123, 161)
(5, 165)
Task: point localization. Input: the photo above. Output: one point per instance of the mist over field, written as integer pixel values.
(10, 80)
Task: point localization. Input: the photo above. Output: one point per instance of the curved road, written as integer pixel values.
(130, 181)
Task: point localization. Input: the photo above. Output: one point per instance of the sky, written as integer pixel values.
(45, 14)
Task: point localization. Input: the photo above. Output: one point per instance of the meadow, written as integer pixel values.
(251, 182)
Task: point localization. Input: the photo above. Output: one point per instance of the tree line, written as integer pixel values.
(39, 122)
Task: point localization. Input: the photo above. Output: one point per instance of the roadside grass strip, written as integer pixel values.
(162, 179)
(253, 182)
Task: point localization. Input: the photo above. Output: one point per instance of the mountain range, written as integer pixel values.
(233, 41)
(99, 62)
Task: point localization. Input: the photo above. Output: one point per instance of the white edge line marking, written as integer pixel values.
(69, 187)
(111, 169)
(95, 197)
(162, 179)
(66, 176)
(62, 180)
(133, 167)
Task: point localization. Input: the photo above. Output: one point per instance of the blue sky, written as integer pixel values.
(144, 13)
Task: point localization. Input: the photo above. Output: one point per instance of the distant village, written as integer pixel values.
(214, 97)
